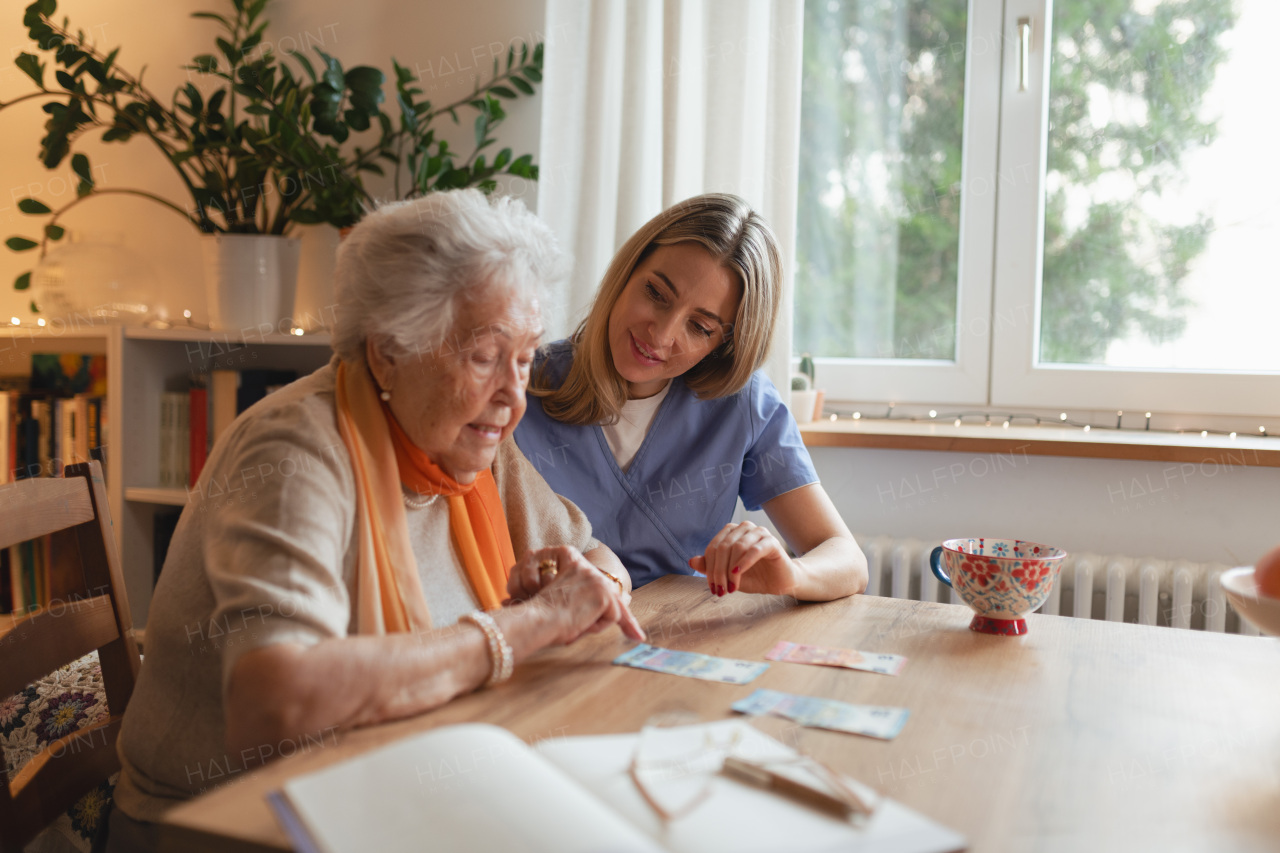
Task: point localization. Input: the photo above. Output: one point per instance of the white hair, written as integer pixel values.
(401, 270)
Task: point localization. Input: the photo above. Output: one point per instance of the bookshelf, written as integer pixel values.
(141, 364)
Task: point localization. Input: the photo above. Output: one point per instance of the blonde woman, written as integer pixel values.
(655, 418)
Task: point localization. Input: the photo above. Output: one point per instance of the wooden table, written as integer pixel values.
(1082, 735)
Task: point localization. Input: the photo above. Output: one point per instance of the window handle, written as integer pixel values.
(1024, 51)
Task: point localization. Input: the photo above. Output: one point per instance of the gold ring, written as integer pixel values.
(547, 567)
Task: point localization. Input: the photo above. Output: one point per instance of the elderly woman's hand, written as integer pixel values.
(581, 598)
(537, 569)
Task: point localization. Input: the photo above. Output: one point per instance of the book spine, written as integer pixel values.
(8, 438)
(80, 409)
(18, 602)
(166, 441)
(6, 586)
(198, 418)
(182, 446)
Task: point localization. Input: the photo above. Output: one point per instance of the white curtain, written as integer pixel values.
(648, 102)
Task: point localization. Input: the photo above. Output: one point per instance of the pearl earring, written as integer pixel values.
(386, 396)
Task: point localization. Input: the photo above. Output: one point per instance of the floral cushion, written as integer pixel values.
(66, 699)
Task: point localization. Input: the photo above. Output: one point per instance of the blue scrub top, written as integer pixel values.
(683, 485)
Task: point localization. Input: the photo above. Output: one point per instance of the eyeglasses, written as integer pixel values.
(674, 767)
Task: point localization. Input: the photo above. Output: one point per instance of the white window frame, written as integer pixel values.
(1001, 269)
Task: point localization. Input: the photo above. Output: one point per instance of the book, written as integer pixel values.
(222, 401)
(67, 373)
(8, 436)
(197, 432)
(478, 787)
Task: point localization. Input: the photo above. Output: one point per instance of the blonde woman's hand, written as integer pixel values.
(581, 599)
(748, 558)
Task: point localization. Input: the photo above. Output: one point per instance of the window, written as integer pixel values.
(986, 221)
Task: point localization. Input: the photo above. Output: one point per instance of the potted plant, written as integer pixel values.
(819, 395)
(803, 399)
(261, 152)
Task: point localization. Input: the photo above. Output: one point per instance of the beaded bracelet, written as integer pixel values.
(502, 659)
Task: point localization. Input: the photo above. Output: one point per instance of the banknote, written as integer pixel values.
(870, 720)
(691, 664)
(848, 658)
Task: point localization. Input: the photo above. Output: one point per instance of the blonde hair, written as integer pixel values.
(739, 239)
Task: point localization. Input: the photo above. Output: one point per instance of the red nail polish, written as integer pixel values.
(735, 570)
(732, 588)
(720, 591)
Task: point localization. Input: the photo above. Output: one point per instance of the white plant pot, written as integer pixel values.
(251, 281)
(802, 405)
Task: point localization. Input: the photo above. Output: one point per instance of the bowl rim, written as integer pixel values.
(1241, 581)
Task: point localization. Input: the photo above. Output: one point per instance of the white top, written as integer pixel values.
(626, 436)
(451, 594)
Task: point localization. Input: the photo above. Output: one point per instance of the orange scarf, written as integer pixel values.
(389, 595)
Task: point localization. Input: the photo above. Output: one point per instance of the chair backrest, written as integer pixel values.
(90, 613)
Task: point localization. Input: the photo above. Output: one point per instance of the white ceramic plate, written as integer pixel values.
(1263, 612)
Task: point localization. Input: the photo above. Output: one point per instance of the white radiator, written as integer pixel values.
(1143, 590)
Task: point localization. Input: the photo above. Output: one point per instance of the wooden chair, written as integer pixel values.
(90, 612)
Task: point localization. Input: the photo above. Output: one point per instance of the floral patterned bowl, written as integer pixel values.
(1001, 579)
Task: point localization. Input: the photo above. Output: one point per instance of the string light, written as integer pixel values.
(15, 321)
(1008, 420)
(40, 322)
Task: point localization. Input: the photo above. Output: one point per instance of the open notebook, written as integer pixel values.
(478, 787)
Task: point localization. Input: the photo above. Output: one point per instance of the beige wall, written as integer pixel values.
(444, 41)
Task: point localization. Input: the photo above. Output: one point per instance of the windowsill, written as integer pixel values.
(1045, 441)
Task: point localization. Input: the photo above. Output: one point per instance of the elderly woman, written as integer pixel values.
(350, 544)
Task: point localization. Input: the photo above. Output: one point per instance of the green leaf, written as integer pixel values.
(482, 128)
(80, 165)
(511, 55)
(84, 188)
(306, 65)
(520, 84)
(206, 63)
(66, 80)
(30, 205)
(502, 158)
(257, 110)
(32, 67)
(22, 282)
(533, 74)
(357, 119)
(211, 16)
(54, 232)
(109, 61)
(333, 75)
(117, 134)
(503, 91)
(20, 244)
(228, 49)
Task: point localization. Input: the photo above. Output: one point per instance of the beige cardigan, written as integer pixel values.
(265, 553)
